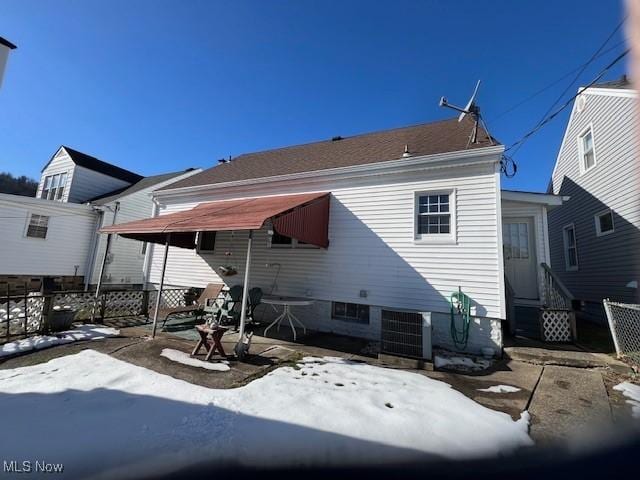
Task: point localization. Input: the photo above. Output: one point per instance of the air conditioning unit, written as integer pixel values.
(406, 333)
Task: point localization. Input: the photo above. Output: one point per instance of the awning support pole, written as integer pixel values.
(99, 284)
(245, 293)
(159, 297)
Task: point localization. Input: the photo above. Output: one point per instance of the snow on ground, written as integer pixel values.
(631, 391)
(105, 412)
(500, 389)
(186, 359)
(83, 332)
(461, 363)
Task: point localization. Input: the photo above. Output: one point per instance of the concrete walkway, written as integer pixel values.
(568, 406)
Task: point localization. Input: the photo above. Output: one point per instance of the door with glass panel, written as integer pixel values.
(520, 263)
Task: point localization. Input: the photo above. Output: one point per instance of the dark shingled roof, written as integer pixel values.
(426, 139)
(146, 182)
(7, 43)
(622, 82)
(92, 163)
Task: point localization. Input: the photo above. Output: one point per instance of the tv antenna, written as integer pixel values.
(470, 109)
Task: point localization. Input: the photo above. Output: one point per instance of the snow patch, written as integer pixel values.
(461, 363)
(186, 359)
(500, 389)
(37, 342)
(322, 412)
(631, 391)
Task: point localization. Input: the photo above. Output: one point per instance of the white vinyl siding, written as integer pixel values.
(59, 165)
(372, 245)
(606, 263)
(68, 238)
(87, 184)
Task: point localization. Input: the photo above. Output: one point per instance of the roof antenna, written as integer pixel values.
(470, 109)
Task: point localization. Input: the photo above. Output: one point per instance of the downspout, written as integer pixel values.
(104, 259)
(146, 266)
(91, 260)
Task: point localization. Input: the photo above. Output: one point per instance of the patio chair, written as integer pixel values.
(212, 290)
(231, 312)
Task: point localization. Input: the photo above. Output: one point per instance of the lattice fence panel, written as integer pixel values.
(80, 302)
(624, 322)
(21, 320)
(556, 325)
(123, 303)
(170, 298)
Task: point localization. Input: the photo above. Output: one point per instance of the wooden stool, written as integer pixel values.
(214, 333)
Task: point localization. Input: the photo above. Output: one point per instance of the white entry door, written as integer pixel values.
(520, 263)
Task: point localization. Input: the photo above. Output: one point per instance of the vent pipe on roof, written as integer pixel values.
(406, 151)
(336, 138)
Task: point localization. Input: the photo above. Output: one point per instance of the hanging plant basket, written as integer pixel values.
(227, 270)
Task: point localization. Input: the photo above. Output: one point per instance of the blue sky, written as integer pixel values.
(157, 86)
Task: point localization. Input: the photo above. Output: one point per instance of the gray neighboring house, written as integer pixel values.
(595, 236)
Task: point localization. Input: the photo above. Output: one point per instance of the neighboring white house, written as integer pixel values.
(415, 214)
(54, 234)
(595, 236)
(125, 263)
(44, 238)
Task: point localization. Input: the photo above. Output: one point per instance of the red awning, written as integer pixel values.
(304, 217)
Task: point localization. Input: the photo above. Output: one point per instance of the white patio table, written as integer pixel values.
(287, 303)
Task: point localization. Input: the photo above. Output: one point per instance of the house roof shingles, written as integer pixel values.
(425, 139)
(146, 182)
(92, 163)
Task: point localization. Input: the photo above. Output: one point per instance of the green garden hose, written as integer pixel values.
(461, 305)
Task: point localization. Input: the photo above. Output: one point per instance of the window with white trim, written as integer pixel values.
(38, 226)
(54, 186)
(587, 150)
(604, 223)
(570, 247)
(206, 242)
(434, 215)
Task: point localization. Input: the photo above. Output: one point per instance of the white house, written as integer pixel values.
(595, 236)
(415, 214)
(55, 234)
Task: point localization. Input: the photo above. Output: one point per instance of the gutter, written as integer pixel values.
(429, 161)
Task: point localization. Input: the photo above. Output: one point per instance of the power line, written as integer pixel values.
(546, 120)
(551, 85)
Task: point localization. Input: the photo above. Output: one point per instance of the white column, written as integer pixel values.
(245, 293)
(99, 284)
(159, 297)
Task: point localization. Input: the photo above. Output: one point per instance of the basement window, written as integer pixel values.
(350, 312)
(38, 226)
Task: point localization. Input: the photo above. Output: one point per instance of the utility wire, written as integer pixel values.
(551, 85)
(546, 120)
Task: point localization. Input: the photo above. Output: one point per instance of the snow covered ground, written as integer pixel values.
(632, 392)
(186, 359)
(93, 412)
(500, 389)
(83, 332)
